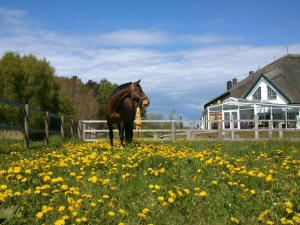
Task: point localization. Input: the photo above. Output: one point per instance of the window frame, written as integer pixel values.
(271, 93)
(256, 94)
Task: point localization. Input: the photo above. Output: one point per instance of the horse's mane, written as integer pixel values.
(121, 87)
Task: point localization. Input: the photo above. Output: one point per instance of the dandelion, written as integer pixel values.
(93, 204)
(61, 208)
(64, 187)
(161, 198)
(234, 220)
(203, 193)
(111, 213)
(146, 210)
(39, 215)
(105, 196)
(171, 200)
(142, 215)
(59, 222)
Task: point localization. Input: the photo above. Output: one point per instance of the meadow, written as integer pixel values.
(151, 183)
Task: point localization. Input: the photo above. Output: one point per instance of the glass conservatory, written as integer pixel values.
(241, 112)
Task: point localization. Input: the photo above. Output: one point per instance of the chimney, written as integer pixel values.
(229, 85)
(234, 81)
(251, 72)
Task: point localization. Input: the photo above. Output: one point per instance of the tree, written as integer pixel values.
(28, 80)
(94, 86)
(104, 92)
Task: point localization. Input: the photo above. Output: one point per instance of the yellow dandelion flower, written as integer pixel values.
(289, 204)
(64, 187)
(187, 191)
(59, 222)
(296, 218)
(203, 193)
(162, 170)
(105, 196)
(161, 198)
(93, 204)
(170, 200)
(61, 208)
(146, 210)
(39, 215)
(111, 213)
(142, 215)
(289, 210)
(234, 220)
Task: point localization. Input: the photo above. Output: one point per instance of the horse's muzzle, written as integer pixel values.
(145, 101)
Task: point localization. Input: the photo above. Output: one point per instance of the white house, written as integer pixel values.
(272, 92)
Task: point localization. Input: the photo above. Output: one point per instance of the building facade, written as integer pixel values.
(270, 93)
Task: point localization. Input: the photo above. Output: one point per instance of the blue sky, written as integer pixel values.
(184, 51)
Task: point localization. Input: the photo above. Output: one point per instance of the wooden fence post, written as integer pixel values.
(256, 127)
(219, 129)
(72, 128)
(280, 134)
(79, 128)
(188, 135)
(62, 133)
(231, 126)
(46, 121)
(26, 126)
(270, 127)
(173, 137)
(84, 136)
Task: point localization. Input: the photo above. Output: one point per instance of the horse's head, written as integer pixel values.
(138, 94)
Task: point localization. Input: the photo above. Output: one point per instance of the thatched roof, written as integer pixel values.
(284, 73)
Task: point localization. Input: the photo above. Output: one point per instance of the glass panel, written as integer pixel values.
(278, 114)
(234, 117)
(244, 106)
(213, 117)
(257, 94)
(215, 108)
(292, 114)
(271, 94)
(230, 107)
(227, 118)
(247, 115)
(264, 113)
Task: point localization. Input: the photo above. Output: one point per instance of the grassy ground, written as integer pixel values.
(151, 183)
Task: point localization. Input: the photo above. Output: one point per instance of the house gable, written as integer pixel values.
(263, 83)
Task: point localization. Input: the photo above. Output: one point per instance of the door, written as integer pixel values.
(230, 119)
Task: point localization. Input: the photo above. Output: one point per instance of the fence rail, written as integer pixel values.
(225, 129)
(27, 129)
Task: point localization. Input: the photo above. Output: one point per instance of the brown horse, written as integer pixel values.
(121, 109)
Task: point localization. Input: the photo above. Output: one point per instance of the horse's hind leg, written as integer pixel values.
(111, 133)
(130, 131)
(121, 132)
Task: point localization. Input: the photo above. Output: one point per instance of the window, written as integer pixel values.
(271, 94)
(257, 94)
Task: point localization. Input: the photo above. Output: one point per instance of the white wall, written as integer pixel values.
(264, 93)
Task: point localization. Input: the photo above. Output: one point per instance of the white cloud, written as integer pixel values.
(183, 79)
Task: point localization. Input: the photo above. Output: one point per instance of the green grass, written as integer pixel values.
(231, 176)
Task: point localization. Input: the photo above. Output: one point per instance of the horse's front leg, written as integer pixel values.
(111, 133)
(121, 132)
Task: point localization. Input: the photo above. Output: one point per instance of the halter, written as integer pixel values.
(140, 98)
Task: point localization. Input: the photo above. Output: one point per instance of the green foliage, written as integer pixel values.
(28, 80)
(104, 91)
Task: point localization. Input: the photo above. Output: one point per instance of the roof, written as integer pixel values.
(284, 74)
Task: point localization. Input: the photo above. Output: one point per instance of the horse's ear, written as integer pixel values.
(137, 82)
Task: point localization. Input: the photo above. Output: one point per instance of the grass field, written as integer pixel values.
(151, 183)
